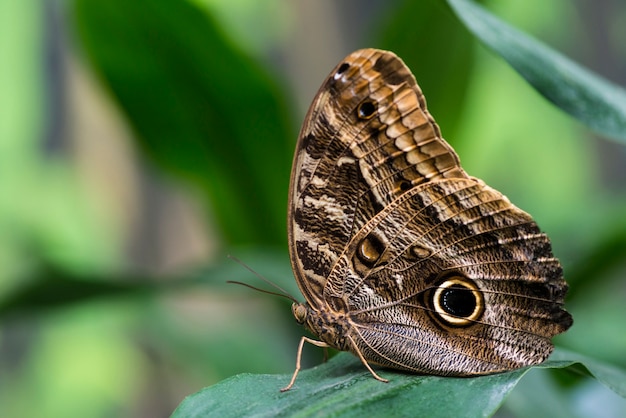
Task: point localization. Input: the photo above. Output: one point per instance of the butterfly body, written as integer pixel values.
(404, 259)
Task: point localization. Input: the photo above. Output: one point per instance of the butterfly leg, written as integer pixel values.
(358, 352)
(299, 357)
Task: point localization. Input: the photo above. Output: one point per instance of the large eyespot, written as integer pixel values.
(366, 110)
(458, 301)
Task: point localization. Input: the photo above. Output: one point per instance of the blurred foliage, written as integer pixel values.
(202, 86)
(199, 107)
(592, 100)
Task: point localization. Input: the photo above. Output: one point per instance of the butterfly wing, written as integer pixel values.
(502, 288)
(368, 114)
(435, 271)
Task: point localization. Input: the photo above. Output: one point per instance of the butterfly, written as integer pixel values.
(404, 259)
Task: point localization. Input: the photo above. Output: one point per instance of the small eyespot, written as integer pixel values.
(366, 110)
(404, 186)
(369, 250)
(458, 301)
(419, 252)
(343, 67)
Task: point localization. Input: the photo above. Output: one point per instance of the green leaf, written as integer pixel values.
(200, 107)
(596, 102)
(343, 387)
(611, 376)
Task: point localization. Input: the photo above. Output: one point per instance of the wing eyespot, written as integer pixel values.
(342, 69)
(366, 109)
(369, 250)
(418, 252)
(403, 185)
(458, 301)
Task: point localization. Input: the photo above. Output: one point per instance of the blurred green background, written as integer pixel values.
(141, 142)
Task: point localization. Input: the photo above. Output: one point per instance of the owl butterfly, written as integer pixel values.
(404, 259)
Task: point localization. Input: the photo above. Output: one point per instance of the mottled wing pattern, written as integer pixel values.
(451, 228)
(366, 139)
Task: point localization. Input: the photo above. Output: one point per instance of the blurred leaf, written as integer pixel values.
(55, 288)
(600, 259)
(537, 384)
(589, 98)
(430, 41)
(342, 387)
(200, 107)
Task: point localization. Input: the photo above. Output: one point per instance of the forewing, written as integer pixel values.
(366, 140)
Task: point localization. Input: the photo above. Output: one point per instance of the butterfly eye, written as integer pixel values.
(458, 301)
(300, 312)
(366, 109)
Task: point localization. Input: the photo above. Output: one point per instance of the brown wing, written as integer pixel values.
(366, 140)
(505, 295)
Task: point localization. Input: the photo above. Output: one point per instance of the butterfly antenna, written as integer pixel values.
(282, 292)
